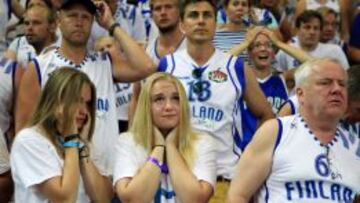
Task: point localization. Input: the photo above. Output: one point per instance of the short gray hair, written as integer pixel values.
(304, 71)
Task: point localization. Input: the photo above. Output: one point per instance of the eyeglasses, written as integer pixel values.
(266, 45)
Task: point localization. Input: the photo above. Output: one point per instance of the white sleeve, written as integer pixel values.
(127, 159)
(205, 164)
(281, 62)
(34, 159)
(4, 155)
(339, 54)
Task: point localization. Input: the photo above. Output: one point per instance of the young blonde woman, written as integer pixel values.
(161, 158)
(50, 159)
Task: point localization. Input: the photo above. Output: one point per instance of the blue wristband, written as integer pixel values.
(71, 144)
(163, 167)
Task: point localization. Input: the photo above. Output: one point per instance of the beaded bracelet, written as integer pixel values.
(163, 167)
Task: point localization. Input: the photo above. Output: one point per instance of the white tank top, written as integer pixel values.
(304, 170)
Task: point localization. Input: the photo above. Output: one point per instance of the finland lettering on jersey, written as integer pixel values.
(275, 91)
(98, 67)
(7, 71)
(214, 91)
(304, 170)
(123, 93)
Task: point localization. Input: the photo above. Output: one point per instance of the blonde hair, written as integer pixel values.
(62, 90)
(142, 124)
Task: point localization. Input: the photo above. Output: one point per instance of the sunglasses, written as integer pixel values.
(198, 85)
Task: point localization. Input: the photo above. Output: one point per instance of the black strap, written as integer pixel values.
(71, 137)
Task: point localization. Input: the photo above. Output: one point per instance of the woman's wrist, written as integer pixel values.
(162, 166)
(70, 137)
(159, 146)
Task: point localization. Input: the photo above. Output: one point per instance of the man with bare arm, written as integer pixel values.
(307, 157)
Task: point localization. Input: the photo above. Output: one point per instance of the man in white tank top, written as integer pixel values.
(40, 36)
(75, 20)
(307, 157)
(166, 16)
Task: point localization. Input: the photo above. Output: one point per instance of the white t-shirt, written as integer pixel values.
(286, 62)
(34, 160)
(4, 154)
(131, 157)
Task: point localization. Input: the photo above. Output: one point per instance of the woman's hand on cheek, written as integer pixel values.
(158, 136)
(85, 130)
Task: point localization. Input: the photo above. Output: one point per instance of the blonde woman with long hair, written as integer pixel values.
(50, 158)
(161, 158)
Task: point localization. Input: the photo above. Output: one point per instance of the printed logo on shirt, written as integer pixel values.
(218, 76)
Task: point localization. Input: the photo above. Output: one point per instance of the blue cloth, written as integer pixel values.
(355, 32)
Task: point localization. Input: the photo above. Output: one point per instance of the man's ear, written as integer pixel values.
(181, 25)
(299, 94)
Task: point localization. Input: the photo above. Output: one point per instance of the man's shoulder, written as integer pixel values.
(46, 55)
(327, 50)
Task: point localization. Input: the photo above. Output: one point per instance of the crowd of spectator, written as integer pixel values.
(179, 101)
